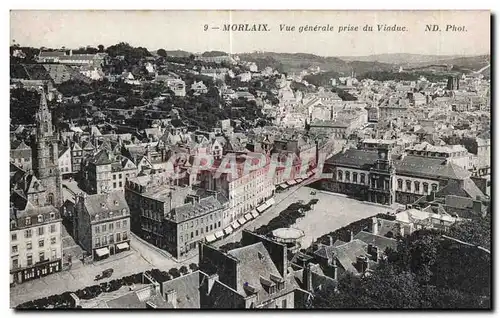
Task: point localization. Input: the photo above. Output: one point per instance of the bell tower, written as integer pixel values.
(46, 154)
(382, 178)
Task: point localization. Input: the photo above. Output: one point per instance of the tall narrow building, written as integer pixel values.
(45, 155)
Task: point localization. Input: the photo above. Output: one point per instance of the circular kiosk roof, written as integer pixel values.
(288, 233)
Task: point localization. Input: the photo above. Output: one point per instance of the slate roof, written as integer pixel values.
(190, 210)
(102, 158)
(99, 203)
(468, 189)
(381, 242)
(187, 289)
(407, 165)
(345, 254)
(254, 263)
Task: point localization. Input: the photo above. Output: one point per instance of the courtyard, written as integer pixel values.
(332, 212)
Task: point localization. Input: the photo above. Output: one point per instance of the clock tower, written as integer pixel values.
(382, 178)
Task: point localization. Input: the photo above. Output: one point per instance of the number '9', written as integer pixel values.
(205, 27)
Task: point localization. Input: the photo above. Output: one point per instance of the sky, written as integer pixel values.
(184, 30)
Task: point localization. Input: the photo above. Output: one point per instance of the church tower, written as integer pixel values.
(46, 154)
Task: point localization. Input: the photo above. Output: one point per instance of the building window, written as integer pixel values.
(124, 236)
(41, 256)
(400, 184)
(283, 303)
(53, 228)
(41, 243)
(111, 238)
(14, 248)
(124, 223)
(53, 240)
(191, 234)
(114, 185)
(98, 229)
(211, 227)
(340, 175)
(104, 240)
(118, 237)
(111, 225)
(13, 236)
(118, 224)
(417, 186)
(97, 242)
(206, 229)
(40, 231)
(426, 187)
(363, 178)
(355, 177)
(15, 263)
(103, 228)
(114, 177)
(408, 185)
(219, 224)
(434, 187)
(28, 246)
(28, 221)
(27, 233)
(347, 176)
(29, 260)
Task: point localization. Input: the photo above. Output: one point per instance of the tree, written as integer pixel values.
(193, 267)
(101, 48)
(162, 52)
(174, 272)
(183, 270)
(386, 288)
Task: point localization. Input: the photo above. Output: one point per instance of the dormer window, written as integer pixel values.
(28, 221)
(96, 217)
(40, 218)
(103, 205)
(116, 203)
(13, 224)
(52, 215)
(124, 211)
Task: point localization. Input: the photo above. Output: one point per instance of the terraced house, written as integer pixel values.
(102, 224)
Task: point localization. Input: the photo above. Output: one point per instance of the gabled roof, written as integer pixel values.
(102, 158)
(187, 289)
(254, 263)
(98, 203)
(381, 242)
(466, 189)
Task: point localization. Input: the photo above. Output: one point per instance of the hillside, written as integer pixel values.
(296, 62)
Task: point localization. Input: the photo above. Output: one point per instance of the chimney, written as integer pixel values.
(171, 297)
(373, 251)
(331, 240)
(70, 52)
(308, 278)
(374, 225)
(361, 264)
(477, 206)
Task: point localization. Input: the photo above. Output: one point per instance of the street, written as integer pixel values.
(140, 258)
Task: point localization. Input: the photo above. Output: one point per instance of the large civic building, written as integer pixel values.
(382, 177)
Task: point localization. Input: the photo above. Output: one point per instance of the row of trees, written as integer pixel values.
(66, 301)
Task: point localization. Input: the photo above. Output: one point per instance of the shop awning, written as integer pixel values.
(235, 225)
(122, 246)
(310, 173)
(270, 202)
(283, 186)
(228, 230)
(219, 234)
(261, 208)
(242, 221)
(255, 213)
(299, 180)
(210, 238)
(102, 251)
(291, 182)
(248, 217)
